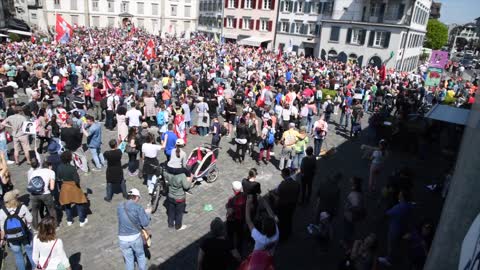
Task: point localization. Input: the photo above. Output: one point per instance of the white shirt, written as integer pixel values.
(150, 150)
(41, 250)
(110, 105)
(133, 116)
(46, 174)
(261, 241)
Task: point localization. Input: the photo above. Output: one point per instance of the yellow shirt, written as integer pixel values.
(290, 137)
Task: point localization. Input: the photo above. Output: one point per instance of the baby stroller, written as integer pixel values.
(202, 164)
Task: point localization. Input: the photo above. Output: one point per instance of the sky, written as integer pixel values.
(459, 11)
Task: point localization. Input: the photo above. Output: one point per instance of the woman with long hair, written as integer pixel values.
(122, 128)
(132, 150)
(48, 252)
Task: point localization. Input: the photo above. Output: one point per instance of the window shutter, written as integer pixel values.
(234, 23)
(308, 7)
(243, 3)
(288, 27)
(258, 25)
(224, 22)
(349, 35)
(401, 9)
(270, 26)
(260, 4)
(226, 4)
(251, 24)
(272, 5)
(236, 3)
(320, 5)
(370, 38)
(290, 7)
(282, 5)
(363, 33)
(387, 40)
(295, 7)
(292, 28)
(279, 26)
(317, 29)
(240, 24)
(254, 2)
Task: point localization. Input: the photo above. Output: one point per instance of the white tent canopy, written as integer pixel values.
(253, 41)
(449, 114)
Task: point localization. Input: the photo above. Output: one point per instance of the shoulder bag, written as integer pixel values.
(146, 237)
(45, 264)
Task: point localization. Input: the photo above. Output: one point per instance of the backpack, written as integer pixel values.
(270, 137)
(329, 108)
(160, 118)
(14, 227)
(104, 103)
(36, 185)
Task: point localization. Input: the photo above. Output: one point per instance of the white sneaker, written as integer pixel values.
(384, 261)
(69, 223)
(84, 223)
(10, 162)
(182, 228)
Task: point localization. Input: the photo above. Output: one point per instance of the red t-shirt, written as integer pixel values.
(98, 94)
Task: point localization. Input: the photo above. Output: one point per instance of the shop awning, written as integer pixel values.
(2, 35)
(448, 114)
(230, 36)
(253, 41)
(23, 33)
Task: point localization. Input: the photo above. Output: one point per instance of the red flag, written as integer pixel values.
(63, 29)
(383, 72)
(32, 39)
(107, 84)
(149, 51)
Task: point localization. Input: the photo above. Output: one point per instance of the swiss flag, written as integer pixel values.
(63, 29)
(107, 84)
(149, 51)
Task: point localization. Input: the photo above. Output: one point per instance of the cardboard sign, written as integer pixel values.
(434, 75)
(29, 128)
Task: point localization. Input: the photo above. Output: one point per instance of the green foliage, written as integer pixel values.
(14, 37)
(437, 34)
(327, 91)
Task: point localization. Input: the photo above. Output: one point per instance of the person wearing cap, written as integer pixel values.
(11, 206)
(289, 139)
(216, 252)
(132, 217)
(178, 160)
(236, 215)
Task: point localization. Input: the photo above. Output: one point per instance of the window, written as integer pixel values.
(154, 9)
(379, 39)
(95, 21)
(111, 21)
(297, 28)
(140, 8)
(187, 11)
(229, 22)
(73, 4)
(247, 23)
(231, 3)
(123, 7)
(374, 9)
(288, 6)
(334, 33)
(111, 6)
(263, 25)
(34, 16)
(312, 29)
(284, 27)
(74, 19)
(95, 6)
(248, 4)
(300, 6)
(140, 23)
(173, 10)
(56, 4)
(154, 25)
(356, 36)
(267, 4)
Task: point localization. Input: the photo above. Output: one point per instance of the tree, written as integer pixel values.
(437, 34)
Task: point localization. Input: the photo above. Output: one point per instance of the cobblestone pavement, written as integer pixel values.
(95, 246)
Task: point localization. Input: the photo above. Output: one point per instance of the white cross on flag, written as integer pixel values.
(149, 51)
(63, 29)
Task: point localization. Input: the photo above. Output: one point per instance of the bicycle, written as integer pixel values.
(159, 186)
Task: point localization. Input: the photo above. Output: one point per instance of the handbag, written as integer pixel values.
(8, 136)
(45, 264)
(146, 237)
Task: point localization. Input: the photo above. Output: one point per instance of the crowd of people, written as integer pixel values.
(263, 102)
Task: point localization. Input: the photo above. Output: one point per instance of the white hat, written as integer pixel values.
(180, 142)
(237, 186)
(134, 192)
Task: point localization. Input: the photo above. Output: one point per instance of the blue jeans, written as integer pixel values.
(345, 117)
(132, 250)
(309, 123)
(80, 212)
(366, 105)
(19, 256)
(317, 146)
(297, 160)
(97, 156)
(202, 131)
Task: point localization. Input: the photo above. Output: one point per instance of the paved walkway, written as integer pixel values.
(95, 246)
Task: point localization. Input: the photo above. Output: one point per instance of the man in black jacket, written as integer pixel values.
(287, 193)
